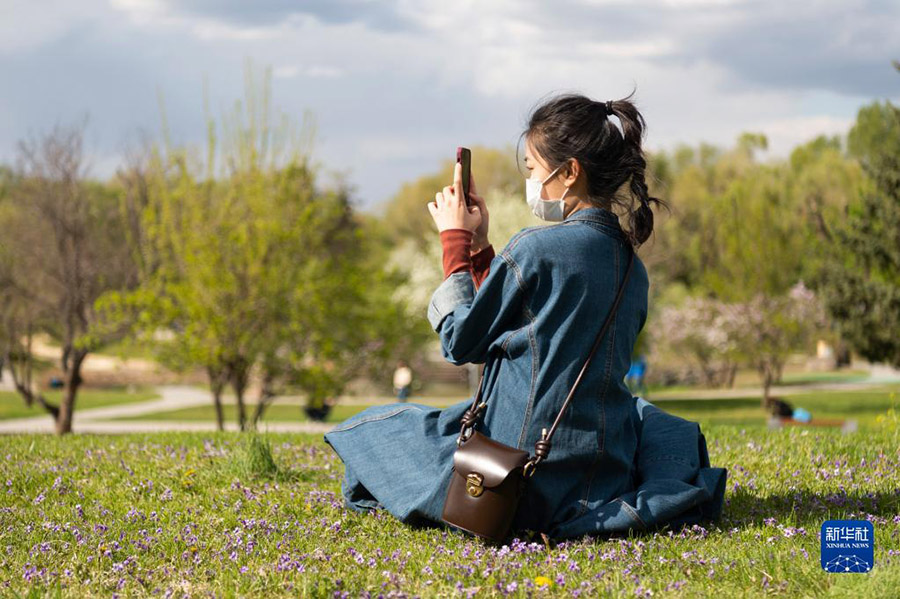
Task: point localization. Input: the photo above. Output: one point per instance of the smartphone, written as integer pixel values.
(464, 156)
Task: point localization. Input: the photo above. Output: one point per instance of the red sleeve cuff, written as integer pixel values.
(481, 264)
(456, 244)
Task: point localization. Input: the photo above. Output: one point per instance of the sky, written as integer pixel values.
(395, 86)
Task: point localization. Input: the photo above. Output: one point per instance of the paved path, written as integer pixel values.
(176, 397)
(30, 425)
(172, 397)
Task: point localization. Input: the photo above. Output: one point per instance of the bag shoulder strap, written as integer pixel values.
(543, 445)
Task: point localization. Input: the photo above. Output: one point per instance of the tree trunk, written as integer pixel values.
(265, 398)
(242, 414)
(767, 385)
(258, 412)
(217, 381)
(220, 414)
(266, 395)
(779, 372)
(707, 371)
(66, 409)
(238, 372)
(73, 381)
(732, 374)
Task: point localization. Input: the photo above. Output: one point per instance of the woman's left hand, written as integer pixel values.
(449, 209)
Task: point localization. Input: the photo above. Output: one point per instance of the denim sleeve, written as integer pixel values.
(469, 321)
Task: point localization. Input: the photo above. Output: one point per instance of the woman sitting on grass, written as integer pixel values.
(531, 314)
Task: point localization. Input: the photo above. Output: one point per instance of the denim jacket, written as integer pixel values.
(532, 323)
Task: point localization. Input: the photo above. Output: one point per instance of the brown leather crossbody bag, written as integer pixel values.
(488, 477)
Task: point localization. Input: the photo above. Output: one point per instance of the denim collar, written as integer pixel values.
(597, 215)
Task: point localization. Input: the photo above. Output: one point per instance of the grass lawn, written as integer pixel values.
(748, 378)
(13, 406)
(209, 514)
(864, 406)
(799, 378)
(274, 413)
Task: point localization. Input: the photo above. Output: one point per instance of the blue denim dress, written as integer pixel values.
(617, 463)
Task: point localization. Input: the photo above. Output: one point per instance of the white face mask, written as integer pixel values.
(549, 210)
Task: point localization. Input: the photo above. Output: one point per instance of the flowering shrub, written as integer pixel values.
(699, 336)
(716, 336)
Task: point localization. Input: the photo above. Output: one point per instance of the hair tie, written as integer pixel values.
(609, 109)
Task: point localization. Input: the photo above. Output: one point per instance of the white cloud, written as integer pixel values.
(147, 12)
(395, 84)
(159, 13)
(701, 3)
(324, 71)
(140, 7)
(640, 49)
(25, 24)
(291, 71)
(286, 71)
(208, 30)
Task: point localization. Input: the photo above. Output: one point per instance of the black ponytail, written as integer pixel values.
(574, 126)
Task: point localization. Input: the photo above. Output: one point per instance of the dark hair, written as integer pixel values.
(574, 126)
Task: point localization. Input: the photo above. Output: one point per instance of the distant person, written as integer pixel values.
(782, 409)
(635, 376)
(402, 381)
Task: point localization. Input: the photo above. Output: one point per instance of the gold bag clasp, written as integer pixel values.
(474, 485)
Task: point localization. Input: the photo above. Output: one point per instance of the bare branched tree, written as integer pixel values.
(63, 236)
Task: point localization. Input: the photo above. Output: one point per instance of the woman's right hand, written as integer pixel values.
(480, 238)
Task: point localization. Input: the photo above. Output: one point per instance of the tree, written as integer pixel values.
(60, 235)
(698, 330)
(256, 269)
(860, 280)
(768, 327)
(740, 239)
